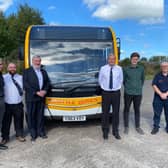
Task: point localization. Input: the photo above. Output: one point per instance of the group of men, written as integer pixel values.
(35, 83)
(111, 79)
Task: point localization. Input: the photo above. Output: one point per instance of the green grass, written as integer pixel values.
(149, 77)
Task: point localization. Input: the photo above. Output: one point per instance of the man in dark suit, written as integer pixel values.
(36, 84)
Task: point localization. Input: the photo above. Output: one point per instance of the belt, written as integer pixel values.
(113, 91)
(14, 104)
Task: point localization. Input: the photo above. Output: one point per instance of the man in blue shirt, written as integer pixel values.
(160, 101)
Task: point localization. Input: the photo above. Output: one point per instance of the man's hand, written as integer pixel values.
(41, 93)
(163, 96)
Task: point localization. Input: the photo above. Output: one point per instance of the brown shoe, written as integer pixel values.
(21, 139)
(4, 141)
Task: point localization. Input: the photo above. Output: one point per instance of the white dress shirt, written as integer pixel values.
(10, 90)
(104, 77)
(40, 77)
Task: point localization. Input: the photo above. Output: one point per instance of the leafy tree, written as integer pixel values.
(27, 16)
(125, 62)
(157, 59)
(143, 59)
(13, 29)
(3, 36)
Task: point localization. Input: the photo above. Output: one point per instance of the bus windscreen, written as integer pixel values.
(68, 62)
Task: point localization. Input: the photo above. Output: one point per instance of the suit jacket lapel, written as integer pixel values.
(35, 78)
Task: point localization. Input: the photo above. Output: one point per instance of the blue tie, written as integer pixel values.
(111, 79)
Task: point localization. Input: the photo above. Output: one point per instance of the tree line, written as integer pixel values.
(13, 29)
(151, 65)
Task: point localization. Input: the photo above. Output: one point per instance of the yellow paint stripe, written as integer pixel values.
(26, 49)
(73, 102)
(73, 108)
(114, 44)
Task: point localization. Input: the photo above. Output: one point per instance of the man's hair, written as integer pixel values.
(163, 63)
(134, 54)
(36, 56)
(111, 54)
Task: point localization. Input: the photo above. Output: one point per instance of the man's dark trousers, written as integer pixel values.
(15, 110)
(110, 98)
(35, 117)
(128, 99)
(158, 106)
(2, 110)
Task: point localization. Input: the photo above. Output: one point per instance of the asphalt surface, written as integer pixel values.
(80, 145)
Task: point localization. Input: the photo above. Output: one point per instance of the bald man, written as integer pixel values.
(110, 80)
(13, 91)
(160, 101)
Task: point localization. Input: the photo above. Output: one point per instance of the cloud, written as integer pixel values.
(146, 11)
(93, 3)
(5, 4)
(51, 7)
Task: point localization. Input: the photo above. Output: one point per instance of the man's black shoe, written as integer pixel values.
(3, 147)
(140, 130)
(116, 135)
(4, 141)
(155, 131)
(44, 136)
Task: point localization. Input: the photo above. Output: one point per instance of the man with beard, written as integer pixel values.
(13, 90)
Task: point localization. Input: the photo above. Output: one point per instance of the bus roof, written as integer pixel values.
(76, 33)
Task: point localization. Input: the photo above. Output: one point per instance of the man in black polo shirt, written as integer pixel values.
(160, 101)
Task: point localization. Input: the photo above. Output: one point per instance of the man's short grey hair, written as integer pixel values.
(36, 56)
(111, 54)
(164, 63)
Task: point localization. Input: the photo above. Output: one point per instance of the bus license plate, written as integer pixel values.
(74, 118)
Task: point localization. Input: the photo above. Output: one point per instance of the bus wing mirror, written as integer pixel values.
(21, 53)
(119, 47)
(96, 74)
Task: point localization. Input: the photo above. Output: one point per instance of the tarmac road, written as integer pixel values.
(80, 145)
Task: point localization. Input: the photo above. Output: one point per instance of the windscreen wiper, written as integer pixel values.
(71, 89)
(54, 84)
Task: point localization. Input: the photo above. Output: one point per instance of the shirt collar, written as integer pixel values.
(11, 74)
(36, 69)
(111, 66)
